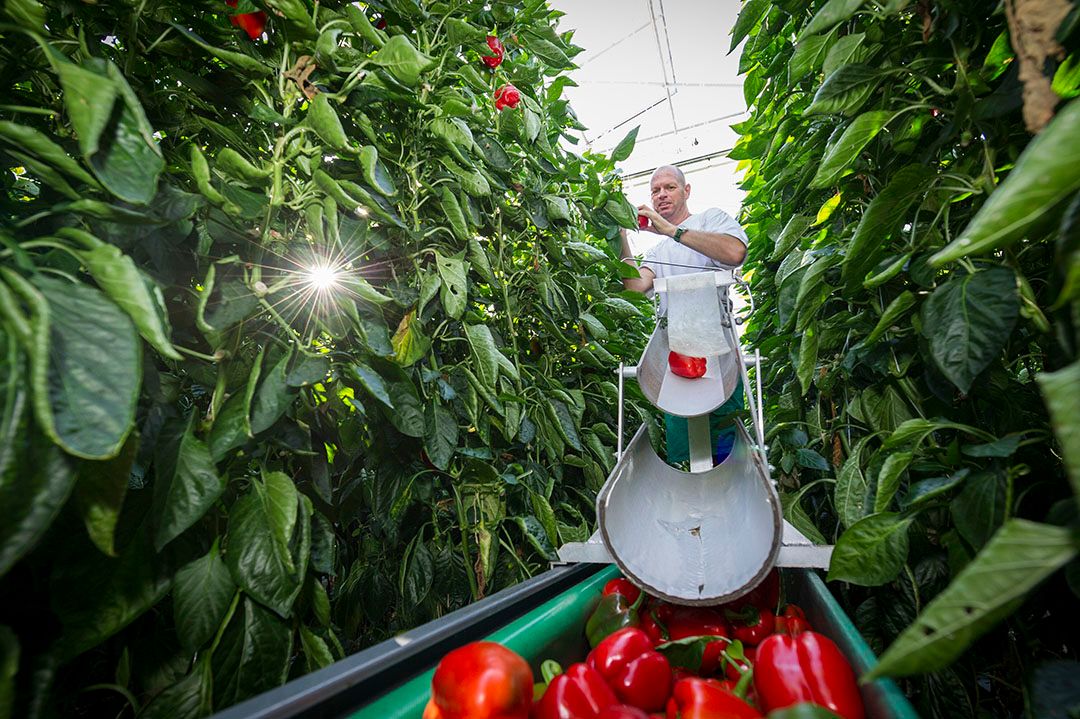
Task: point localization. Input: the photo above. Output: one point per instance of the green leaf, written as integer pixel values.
(968, 320)
(1066, 81)
(409, 341)
(790, 236)
(417, 574)
(557, 208)
(375, 172)
(916, 430)
(273, 397)
(808, 56)
(440, 435)
(31, 15)
(316, 654)
(1046, 174)
(240, 61)
(35, 479)
(794, 513)
(253, 655)
(688, 652)
(1060, 390)
(888, 479)
(452, 209)
(625, 146)
(232, 426)
(622, 211)
(43, 147)
(842, 154)
(979, 509)
(372, 382)
(843, 52)
(827, 209)
(402, 60)
(987, 590)
(408, 414)
(484, 352)
(265, 529)
(454, 292)
(188, 698)
(186, 485)
(845, 90)
(872, 551)
(308, 370)
(883, 408)
(926, 489)
(849, 494)
(749, 17)
(881, 219)
(831, 14)
(100, 494)
(88, 98)
(9, 667)
(560, 414)
(202, 592)
(86, 375)
(546, 515)
(808, 354)
(898, 308)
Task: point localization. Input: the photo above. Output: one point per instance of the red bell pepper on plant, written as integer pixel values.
(622, 586)
(493, 61)
(578, 693)
(807, 667)
(696, 698)
(253, 23)
(507, 96)
(481, 680)
(613, 613)
(751, 625)
(639, 675)
(685, 622)
(684, 366)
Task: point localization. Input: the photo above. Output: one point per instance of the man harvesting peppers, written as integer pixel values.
(690, 242)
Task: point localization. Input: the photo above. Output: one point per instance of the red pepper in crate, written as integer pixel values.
(481, 680)
(622, 711)
(652, 626)
(578, 693)
(624, 587)
(751, 625)
(807, 667)
(685, 622)
(613, 613)
(736, 667)
(792, 621)
(639, 675)
(696, 698)
(765, 595)
(684, 366)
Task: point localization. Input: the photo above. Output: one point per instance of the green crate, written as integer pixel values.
(555, 630)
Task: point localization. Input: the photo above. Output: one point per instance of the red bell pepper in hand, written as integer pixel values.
(792, 621)
(642, 222)
(481, 680)
(253, 23)
(751, 625)
(578, 693)
(493, 61)
(507, 96)
(807, 667)
(696, 698)
(684, 366)
(624, 587)
(639, 675)
(684, 622)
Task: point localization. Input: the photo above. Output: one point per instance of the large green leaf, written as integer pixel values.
(202, 592)
(409, 341)
(808, 355)
(888, 479)
(845, 90)
(748, 19)
(186, 485)
(831, 14)
(1019, 556)
(898, 308)
(808, 56)
(850, 491)
(402, 60)
(484, 351)
(188, 698)
(232, 426)
(881, 219)
(274, 395)
(1060, 390)
(100, 493)
(253, 655)
(269, 533)
(967, 321)
(454, 291)
(1047, 174)
(440, 435)
(842, 154)
(86, 376)
(979, 508)
(872, 551)
(625, 146)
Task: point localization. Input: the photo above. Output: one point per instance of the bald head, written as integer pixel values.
(669, 170)
(669, 193)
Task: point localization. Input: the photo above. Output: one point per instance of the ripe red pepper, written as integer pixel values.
(792, 621)
(624, 587)
(507, 96)
(642, 222)
(622, 711)
(639, 675)
(253, 23)
(578, 693)
(807, 667)
(683, 622)
(735, 668)
(651, 626)
(696, 698)
(751, 625)
(689, 367)
(481, 680)
(765, 595)
(493, 61)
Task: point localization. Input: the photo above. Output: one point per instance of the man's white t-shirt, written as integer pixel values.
(669, 257)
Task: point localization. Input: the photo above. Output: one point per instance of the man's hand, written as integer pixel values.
(657, 224)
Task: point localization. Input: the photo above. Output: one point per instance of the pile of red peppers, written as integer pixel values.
(653, 660)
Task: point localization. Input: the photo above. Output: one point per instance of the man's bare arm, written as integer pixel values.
(715, 245)
(638, 284)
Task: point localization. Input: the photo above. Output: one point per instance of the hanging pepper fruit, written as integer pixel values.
(493, 61)
(686, 622)
(614, 612)
(253, 23)
(639, 675)
(684, 366)
(507, 96)
(696, 698)
(751, 625)
(481, 680)
(791, 621)
(624, 587)
(807, 667)
(578, 693)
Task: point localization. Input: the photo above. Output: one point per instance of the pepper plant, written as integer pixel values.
(304, 341)
(912, 176)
